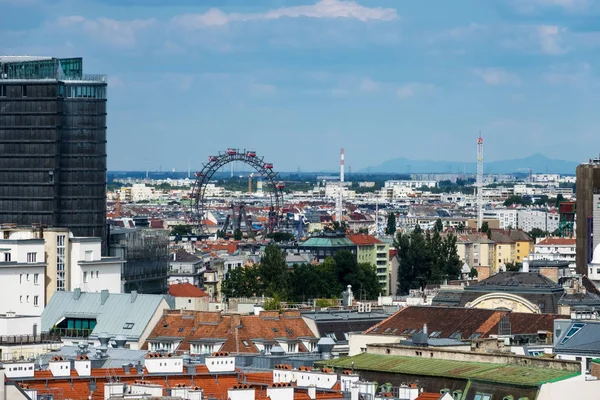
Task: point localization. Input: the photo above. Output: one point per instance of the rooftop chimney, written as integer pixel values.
(76, 294)
(134, 294)
(103, 296)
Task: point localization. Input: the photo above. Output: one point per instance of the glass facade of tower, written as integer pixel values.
(52, 144)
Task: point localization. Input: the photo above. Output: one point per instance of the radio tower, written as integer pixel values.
(340, 202)
(479, 181)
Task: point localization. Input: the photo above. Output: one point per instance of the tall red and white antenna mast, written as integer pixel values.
(340, 202)
(479, 181)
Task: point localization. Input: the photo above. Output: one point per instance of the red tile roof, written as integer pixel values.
(466, 321)
(555, 241)
(202, 325)
(363, 240)
(429, 396)
(186, 290)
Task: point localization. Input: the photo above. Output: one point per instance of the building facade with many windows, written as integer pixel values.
(52, 144)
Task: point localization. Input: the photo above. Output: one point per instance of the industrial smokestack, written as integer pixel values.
(342, 165)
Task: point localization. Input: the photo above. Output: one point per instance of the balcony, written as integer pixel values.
(71, 333)
(29, 339)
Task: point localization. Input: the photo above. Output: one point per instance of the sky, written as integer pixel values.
(297, 80)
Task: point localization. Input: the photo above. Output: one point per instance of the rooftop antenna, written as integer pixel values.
(479, 181)
(340, 206)
(189, 169)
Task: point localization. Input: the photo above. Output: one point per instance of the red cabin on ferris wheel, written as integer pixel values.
(231, 152)
(251, 154)
(212, 158)
(269, 166)
(280, 185)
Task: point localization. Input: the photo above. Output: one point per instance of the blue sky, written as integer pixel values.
(297, 80)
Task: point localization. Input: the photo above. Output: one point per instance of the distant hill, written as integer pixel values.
(538, 163)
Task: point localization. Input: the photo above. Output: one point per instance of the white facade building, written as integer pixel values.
(529, 219)
(89, 271)
(23, 277)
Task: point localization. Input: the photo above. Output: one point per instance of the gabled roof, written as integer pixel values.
(186, 290)
(182, 256)
(580, 337)
(364, 240)
(464, 323)
(237, 332)
(118, 309)
(512, 281)
(555, 241)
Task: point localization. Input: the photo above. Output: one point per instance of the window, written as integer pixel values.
(20, 278)
(128, 325)
(7, 257)
(31, 257)
(97, 273)
(36, 279)
(20, 299)
(574, 329)
(84, 276)
(27, 298)
(61, 252)
(24, 90)
(2, 90)
(36, 300)
(245, 343)
(27, 277)
(482, 396)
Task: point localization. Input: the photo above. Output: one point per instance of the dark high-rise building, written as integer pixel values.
(587, 213)
(52, 144)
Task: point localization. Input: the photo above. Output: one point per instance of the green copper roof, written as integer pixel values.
(328, 242)
(486, 372)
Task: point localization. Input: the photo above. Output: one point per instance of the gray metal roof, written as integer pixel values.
(115, 357)
(584, 338)
(111, 317)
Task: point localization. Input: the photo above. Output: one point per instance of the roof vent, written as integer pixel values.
(134, 295)
(120, 341)
(103, 296)
(325, 345)
(76, 293)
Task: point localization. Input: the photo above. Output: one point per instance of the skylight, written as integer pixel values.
(574, 329)
(128, 325)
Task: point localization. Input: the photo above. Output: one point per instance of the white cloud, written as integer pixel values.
(528, 6)
(570, 75)
(322, 9)
(461, 32)
(497, 77)
(549, 38)
(414, 89)
(369, 85)
(111, 31)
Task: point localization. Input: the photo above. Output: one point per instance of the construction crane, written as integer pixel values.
(479, 182)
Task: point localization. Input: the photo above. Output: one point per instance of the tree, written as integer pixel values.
(559, 199)
(274, 273)
(473, 273)
(237, 235)
(181, 230)
(368, 283)
(536, 233)
(390, 229)
(439, 226)
(514, 267)
(273, 304)
(241, 282)
(425, 258)
(280, 236)
(485, 228)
